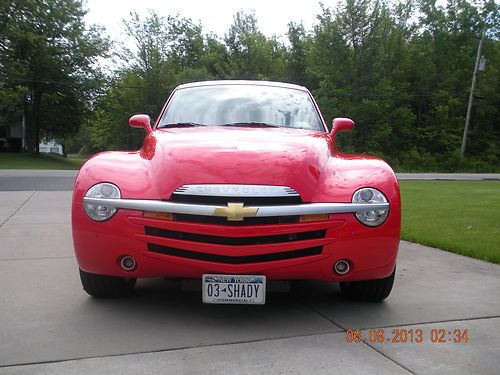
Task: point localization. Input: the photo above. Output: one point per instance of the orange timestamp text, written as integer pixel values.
(407, 335)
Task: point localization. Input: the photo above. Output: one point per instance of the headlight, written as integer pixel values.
(104, 190)
(371, 218)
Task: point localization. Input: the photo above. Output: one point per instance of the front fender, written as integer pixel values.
(128, 170)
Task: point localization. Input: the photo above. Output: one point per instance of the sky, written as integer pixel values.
(215, 15)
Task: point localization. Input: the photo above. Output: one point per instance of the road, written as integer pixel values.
(50, 180)
(36, 180)
(49, 325)
(450, 176)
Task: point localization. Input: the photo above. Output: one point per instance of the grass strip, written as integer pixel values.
(10, 160)
(462, 217)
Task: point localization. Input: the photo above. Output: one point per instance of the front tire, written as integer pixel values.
(369, 290)
(103, 286)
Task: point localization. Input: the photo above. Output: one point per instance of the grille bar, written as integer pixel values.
(209, 210)
(254, 240)
(234, 259)
(246, 221)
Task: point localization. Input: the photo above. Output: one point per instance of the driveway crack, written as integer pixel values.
(389, 358)
(17, 209)
(345, 330)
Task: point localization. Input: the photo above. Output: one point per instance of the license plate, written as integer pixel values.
(234, 289)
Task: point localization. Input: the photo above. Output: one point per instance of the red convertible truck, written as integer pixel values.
(238, 182)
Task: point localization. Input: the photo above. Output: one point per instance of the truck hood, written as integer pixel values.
(303, 160)
(231, 155)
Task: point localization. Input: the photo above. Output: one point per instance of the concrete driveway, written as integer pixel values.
(49, 325)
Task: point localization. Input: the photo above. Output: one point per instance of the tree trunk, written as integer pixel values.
(35, 130)
(26, 141)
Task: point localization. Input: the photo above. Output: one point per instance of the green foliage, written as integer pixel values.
(167, 52)
(47, 65)
(406, 81)
(251, 54)
(401, 70)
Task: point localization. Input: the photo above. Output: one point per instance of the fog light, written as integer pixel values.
(128, 263)
(342, 267)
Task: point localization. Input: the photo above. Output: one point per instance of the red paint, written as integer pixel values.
(306, 161)
(141, 121)
(341, 124)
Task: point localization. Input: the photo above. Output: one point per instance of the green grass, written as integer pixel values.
(43, 161)
(461, 217)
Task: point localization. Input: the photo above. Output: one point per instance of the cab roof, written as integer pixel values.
(242, 82)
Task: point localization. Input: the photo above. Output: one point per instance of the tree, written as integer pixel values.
(164, 52)
(296, 63)
(251, 54)
(47, 54)
(399, 69)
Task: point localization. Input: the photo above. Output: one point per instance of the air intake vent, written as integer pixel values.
(235, 259)
(246, 221)
(235, 241)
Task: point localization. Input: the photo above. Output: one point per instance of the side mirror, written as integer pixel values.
(341, 124)
(141, 121)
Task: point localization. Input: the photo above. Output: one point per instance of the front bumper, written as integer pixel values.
(309, 250)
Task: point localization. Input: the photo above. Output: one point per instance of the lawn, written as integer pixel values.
(459, 216)
(42, 161)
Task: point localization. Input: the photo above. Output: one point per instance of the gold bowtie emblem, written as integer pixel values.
(235, 211)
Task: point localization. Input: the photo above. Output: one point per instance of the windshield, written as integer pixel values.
(241, 105)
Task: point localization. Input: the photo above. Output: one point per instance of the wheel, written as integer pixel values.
(369, 290)
(106, 286)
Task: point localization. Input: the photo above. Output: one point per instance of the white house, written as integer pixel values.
(50, 146)
(12, 139)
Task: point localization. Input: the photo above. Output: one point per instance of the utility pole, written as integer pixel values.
(471, 98)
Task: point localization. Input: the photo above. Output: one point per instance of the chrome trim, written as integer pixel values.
(209, 210)
(348, 267)
(233, 190)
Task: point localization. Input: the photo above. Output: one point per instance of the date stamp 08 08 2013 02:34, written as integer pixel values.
(404, 335)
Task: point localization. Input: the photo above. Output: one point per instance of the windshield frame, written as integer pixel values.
(243, 83)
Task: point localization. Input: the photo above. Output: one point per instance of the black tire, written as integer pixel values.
(369, 290)
(103, 286)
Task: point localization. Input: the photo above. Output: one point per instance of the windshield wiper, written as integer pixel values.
(251, 123)
(179, 125)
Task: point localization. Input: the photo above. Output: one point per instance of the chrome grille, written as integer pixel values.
(234, 190)
(282, 196)
(296, 242)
